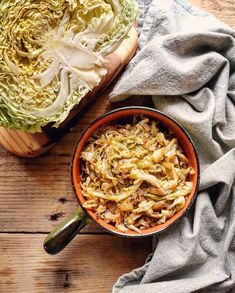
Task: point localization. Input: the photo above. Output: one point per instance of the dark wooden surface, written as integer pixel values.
(36, 194)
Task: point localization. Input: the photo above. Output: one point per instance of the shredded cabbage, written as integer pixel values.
(135, 176)
(52, 53)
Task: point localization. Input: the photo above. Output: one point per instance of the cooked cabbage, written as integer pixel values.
(52, 53)
(135, 176)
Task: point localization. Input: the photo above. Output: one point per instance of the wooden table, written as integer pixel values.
(36, 194)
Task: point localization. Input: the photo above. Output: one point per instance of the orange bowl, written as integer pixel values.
(183, 139)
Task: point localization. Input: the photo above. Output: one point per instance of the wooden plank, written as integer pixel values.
(222, 9)
(89, 264)
(36, 194)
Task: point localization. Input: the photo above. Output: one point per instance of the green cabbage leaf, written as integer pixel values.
(52, 53)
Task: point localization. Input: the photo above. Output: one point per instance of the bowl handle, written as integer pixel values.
(61, 235)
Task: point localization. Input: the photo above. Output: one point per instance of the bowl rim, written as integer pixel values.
(123, 109)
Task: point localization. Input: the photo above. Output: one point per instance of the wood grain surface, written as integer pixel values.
(36, 194)
(224, 10)
(90, 264)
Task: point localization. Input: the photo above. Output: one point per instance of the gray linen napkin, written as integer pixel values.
(186, 61)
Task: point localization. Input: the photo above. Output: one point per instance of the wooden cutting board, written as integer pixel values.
(26, 144)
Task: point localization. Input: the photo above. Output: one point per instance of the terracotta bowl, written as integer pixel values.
(65, 232)
(183, 139)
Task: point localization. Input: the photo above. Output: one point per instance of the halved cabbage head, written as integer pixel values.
(52, 53)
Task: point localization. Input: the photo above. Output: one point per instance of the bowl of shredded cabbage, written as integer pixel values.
(135, 172)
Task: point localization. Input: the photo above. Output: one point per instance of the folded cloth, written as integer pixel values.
(186, 61)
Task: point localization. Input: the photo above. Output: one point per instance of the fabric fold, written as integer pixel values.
(186, 62)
